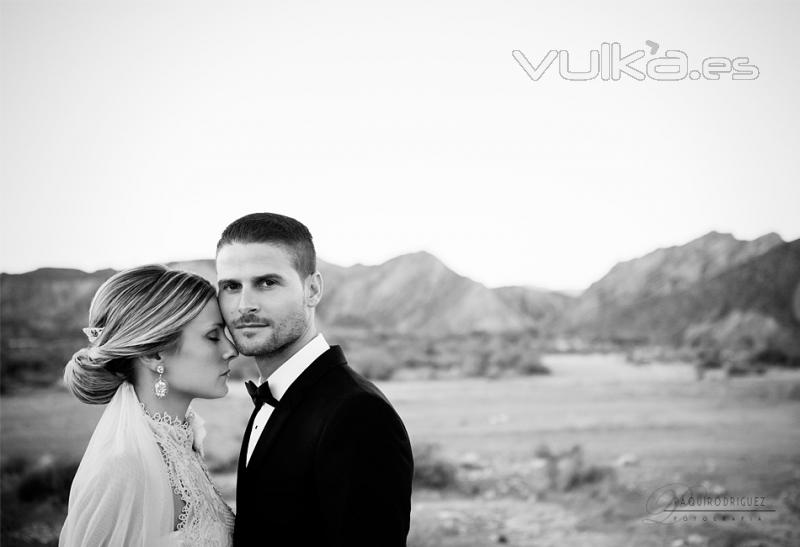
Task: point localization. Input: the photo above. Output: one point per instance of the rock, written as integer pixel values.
(626, 460)
(471, 461)
(566, 469)
(713, 489)
(696, 540)
(538, 463)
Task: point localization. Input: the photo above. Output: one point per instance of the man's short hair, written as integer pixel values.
(276, 229)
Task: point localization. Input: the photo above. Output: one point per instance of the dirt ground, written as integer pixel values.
(638, 428)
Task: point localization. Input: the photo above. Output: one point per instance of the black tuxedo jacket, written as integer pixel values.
(333, 466)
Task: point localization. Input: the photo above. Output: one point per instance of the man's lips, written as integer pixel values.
(250, 325)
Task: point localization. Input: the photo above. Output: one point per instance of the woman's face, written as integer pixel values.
(199, 367)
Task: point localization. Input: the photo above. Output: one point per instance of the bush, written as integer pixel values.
(775, 357)
(13, 467)
(224, 465)
(375, 363)
(431, 470)
(475, 364)
(793, 393)
(50, 479)
(530, 367)
(377, 371)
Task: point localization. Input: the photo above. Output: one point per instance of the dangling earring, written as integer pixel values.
(161, 386)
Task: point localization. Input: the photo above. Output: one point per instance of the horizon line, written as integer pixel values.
(566, 291)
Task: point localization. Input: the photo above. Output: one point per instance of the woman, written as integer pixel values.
(156, 341)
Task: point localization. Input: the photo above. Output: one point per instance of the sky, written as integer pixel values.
(134, 132)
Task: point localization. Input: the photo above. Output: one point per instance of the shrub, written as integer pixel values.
(376, 370)
(51, 479)
(431, 470)
(375, 363)
(14, 466)
(223, 465)
(532, 366)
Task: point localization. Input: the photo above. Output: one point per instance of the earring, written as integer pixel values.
(161, 386)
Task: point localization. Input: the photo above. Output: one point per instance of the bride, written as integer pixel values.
(156, 342)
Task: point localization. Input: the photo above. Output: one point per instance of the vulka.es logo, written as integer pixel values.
(609, 64)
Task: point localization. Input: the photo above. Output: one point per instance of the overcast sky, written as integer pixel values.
(133, 132)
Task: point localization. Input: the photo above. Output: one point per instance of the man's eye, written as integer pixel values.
(214, 338)
(229, 287)
(267, 283)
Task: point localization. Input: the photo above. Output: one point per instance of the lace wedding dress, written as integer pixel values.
(122, 493)
(205, 519)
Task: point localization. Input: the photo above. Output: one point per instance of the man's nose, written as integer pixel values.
(246, 302)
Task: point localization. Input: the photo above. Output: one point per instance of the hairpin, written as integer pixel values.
(92, 333)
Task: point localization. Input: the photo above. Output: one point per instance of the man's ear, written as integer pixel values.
(314, 288)
(152, 361)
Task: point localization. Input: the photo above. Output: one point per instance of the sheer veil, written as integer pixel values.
(121, 493)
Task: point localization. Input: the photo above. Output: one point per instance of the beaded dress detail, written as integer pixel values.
(206, 520)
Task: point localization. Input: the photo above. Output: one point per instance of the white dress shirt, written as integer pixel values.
(281, 379)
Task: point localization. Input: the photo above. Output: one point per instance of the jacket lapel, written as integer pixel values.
(245, 443)
(293, 396)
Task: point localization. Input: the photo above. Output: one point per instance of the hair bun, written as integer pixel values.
(87, 378)
(86, 357)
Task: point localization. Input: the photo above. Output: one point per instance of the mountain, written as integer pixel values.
(416, 294)
(41, 316)
(545, 308)
(751, 304)
(663, 272)
(410, 294)
(715, 287)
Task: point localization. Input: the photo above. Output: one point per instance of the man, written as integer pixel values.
(325, 459)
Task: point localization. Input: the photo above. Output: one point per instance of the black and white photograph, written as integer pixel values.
(419, 274)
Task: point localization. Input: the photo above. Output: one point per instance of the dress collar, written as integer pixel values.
(166, 427)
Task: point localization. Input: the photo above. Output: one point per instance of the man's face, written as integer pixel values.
(261, 296)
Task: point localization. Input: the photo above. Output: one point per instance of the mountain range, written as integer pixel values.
(715, 280)
(715, 288)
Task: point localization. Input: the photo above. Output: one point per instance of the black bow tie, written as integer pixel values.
(261, 394)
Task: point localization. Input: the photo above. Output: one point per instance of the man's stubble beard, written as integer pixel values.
(283, 334)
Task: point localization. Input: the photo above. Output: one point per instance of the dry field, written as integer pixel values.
(637, 429)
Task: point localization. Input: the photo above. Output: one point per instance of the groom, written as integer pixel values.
(325, 459)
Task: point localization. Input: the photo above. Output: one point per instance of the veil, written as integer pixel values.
(121, 493)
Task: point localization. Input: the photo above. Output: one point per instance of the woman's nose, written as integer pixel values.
(228, 350)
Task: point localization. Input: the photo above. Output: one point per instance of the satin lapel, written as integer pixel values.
(245, 443)
(294, 395)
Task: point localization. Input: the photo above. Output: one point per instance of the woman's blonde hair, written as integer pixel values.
(141, 311)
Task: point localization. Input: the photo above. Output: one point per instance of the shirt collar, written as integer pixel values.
(287, 373)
